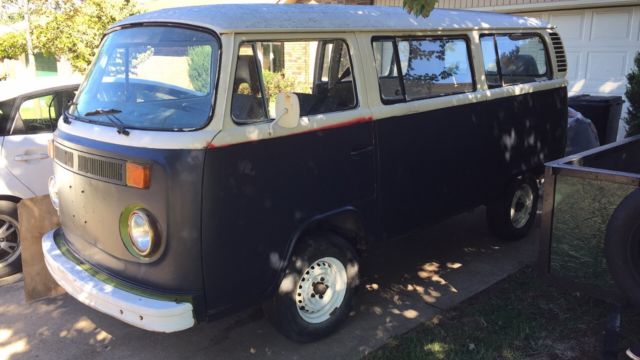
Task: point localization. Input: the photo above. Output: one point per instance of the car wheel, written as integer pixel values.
(622, 247)
(10, 261)
(511, 216)
(317, 290)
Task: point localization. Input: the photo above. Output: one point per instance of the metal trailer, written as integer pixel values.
(590, 238)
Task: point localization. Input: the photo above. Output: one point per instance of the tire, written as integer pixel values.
(511, 216)
(622, 247)
(309, 304)
(10, 258)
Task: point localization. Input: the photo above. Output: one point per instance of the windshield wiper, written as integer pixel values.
(110, 115)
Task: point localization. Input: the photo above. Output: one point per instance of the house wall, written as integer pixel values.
(516, 5)
(17, 69)
(463, 4)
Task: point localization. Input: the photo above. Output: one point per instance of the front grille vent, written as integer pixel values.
(64, 157)
(558, 48)
(90, 165)
(101, 168)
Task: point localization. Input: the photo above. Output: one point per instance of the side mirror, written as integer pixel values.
(287, 111)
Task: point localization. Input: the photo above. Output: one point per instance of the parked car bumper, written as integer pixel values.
(110, 296)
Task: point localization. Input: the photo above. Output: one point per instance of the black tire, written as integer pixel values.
(622, 247)
(283, 309)
(9, 264)
(499, 216)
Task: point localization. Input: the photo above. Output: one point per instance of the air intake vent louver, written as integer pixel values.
(63, 156)
(558, 48)
(101, 169)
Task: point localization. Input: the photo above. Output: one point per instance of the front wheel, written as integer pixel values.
(10, 261)
(511, 216)
(317, 291)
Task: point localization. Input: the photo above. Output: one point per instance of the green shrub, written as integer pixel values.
(277, 82)
(633, 97)
(200, 68)
(12, 45)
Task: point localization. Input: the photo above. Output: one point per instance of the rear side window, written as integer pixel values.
(411, 69)
(319, 72)
(514, 59)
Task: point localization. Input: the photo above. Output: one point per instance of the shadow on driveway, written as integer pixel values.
(405, 281)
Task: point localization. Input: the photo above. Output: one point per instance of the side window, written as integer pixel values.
(428, 68)
(387, 69)
(36, 115)
(318, 72)
(247, 105)
(522, 58)
(490, 62)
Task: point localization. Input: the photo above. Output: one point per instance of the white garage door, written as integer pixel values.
(600, 45)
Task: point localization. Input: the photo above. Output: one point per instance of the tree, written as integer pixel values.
(200, 68)
(419, 7)
(74, 30)
(13, 10)
(633, 97)
(62, 28)
(12, 45)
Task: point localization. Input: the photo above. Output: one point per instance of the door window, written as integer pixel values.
(318, 72)
(36, 115)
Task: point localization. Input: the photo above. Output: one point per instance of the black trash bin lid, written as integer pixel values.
(588, 99)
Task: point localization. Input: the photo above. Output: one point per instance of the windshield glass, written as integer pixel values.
(159, 78)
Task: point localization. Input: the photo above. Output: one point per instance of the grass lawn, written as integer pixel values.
(519, 318)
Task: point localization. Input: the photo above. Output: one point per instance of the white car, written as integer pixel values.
(28, 117)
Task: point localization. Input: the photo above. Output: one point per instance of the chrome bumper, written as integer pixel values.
(140, 311)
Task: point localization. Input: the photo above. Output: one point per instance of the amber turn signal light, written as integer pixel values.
(138, 176)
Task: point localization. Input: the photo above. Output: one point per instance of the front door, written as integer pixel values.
(261, 189)
(24, 149)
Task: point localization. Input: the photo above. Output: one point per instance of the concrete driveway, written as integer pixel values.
(406, 281)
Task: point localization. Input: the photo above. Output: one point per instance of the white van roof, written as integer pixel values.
(252, 18)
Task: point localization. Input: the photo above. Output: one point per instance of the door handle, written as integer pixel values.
(355, 153)
(27, 157)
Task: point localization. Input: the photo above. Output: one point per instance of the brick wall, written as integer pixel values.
(299, 63)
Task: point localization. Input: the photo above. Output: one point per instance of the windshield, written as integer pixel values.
(159, 78)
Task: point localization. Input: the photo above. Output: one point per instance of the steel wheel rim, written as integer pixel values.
(521, 206)
(9, 241)
(321, 290)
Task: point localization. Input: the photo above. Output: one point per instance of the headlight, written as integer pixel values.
(53, 193)
(141, 232)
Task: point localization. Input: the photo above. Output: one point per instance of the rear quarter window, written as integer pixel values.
(511, 59)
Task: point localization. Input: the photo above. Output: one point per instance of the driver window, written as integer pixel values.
(37, 115)
(318, 71)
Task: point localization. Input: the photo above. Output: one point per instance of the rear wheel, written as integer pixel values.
(10, 261)
(511, 216)
(317, 291)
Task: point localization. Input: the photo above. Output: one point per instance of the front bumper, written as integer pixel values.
(108, 296)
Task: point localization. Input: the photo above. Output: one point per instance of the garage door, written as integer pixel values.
(600, 45)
